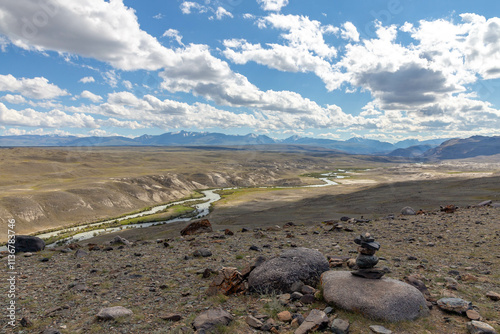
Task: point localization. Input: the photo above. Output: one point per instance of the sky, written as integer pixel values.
(379, 69)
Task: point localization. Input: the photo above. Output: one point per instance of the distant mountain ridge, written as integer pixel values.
(465, 148)
(410, 148)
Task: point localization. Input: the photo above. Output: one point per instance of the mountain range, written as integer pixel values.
(410, 148)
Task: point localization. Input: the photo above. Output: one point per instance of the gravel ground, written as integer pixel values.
(154, 280)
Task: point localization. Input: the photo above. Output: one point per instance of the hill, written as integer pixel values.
(465, 148)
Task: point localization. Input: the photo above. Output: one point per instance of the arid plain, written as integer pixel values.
(50, 188)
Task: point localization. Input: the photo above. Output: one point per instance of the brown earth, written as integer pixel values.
(153, 280)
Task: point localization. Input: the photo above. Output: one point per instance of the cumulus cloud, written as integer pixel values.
(305, 50)
(13, 99)
(272, 5)
(221, 12)
(107, 31)
(127, 84)
(187, 7)
(87, 80)
(52, 119)
(349, 32)
(36, 88)
(174, 34)
(91, 96)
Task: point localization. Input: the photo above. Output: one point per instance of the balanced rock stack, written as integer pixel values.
(367, 259)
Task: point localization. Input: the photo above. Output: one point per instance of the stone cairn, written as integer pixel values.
(367, 259)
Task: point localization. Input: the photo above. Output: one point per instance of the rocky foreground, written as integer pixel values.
(174, 285)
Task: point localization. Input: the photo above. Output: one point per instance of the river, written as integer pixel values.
(202, 209)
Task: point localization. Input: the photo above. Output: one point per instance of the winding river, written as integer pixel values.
(202, 210)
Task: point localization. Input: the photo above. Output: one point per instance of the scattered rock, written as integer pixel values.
(316, 320)
(255, 248)
(202, 252)
(340, 326)
(51, 331)
(279, 273)
(448, 208)
(229, 281)
(473, 315)
(285, 316)
(25, 322)
(380, 329)
(228, 232)
(171, 317)
(197, 227)
(80, 253)
(478, 327)
(493, 295)
(456, 305)
(307, 299)
(485, 203)
(308, 290)
(417, 283)
(408, 211)
(113, 313)
(27, 243)
(385, 298)
(119, 241)
(254, 322)
(211, 318)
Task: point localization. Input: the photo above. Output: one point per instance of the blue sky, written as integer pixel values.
(387, 70)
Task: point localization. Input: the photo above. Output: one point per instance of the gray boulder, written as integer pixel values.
(386, 299)
(207, 320)
(28, 243)
(280, 273)
(408, 211)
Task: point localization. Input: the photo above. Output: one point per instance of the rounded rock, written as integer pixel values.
(456, 305)
(386, 299)
(280, 273)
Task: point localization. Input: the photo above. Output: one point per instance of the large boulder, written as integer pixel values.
(27, 243)
(197, 227)
(294, 265)
(386, 299)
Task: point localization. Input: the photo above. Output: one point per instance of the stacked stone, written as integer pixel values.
(367, 260)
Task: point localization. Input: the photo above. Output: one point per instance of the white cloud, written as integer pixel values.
(305, 50)
(87, 80)
(221, 12)
(329, 135)
(113, 122)
(172, 33)
(272, 5)
(52, 119)
(158, 16)
(349, 32)
(188, 6)
(91, 96)
(36, 88)
(3, 44)
(248, 16)
(18, 132)
(107, 31)
(127, 84)
(13, 99)
(111, 78)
